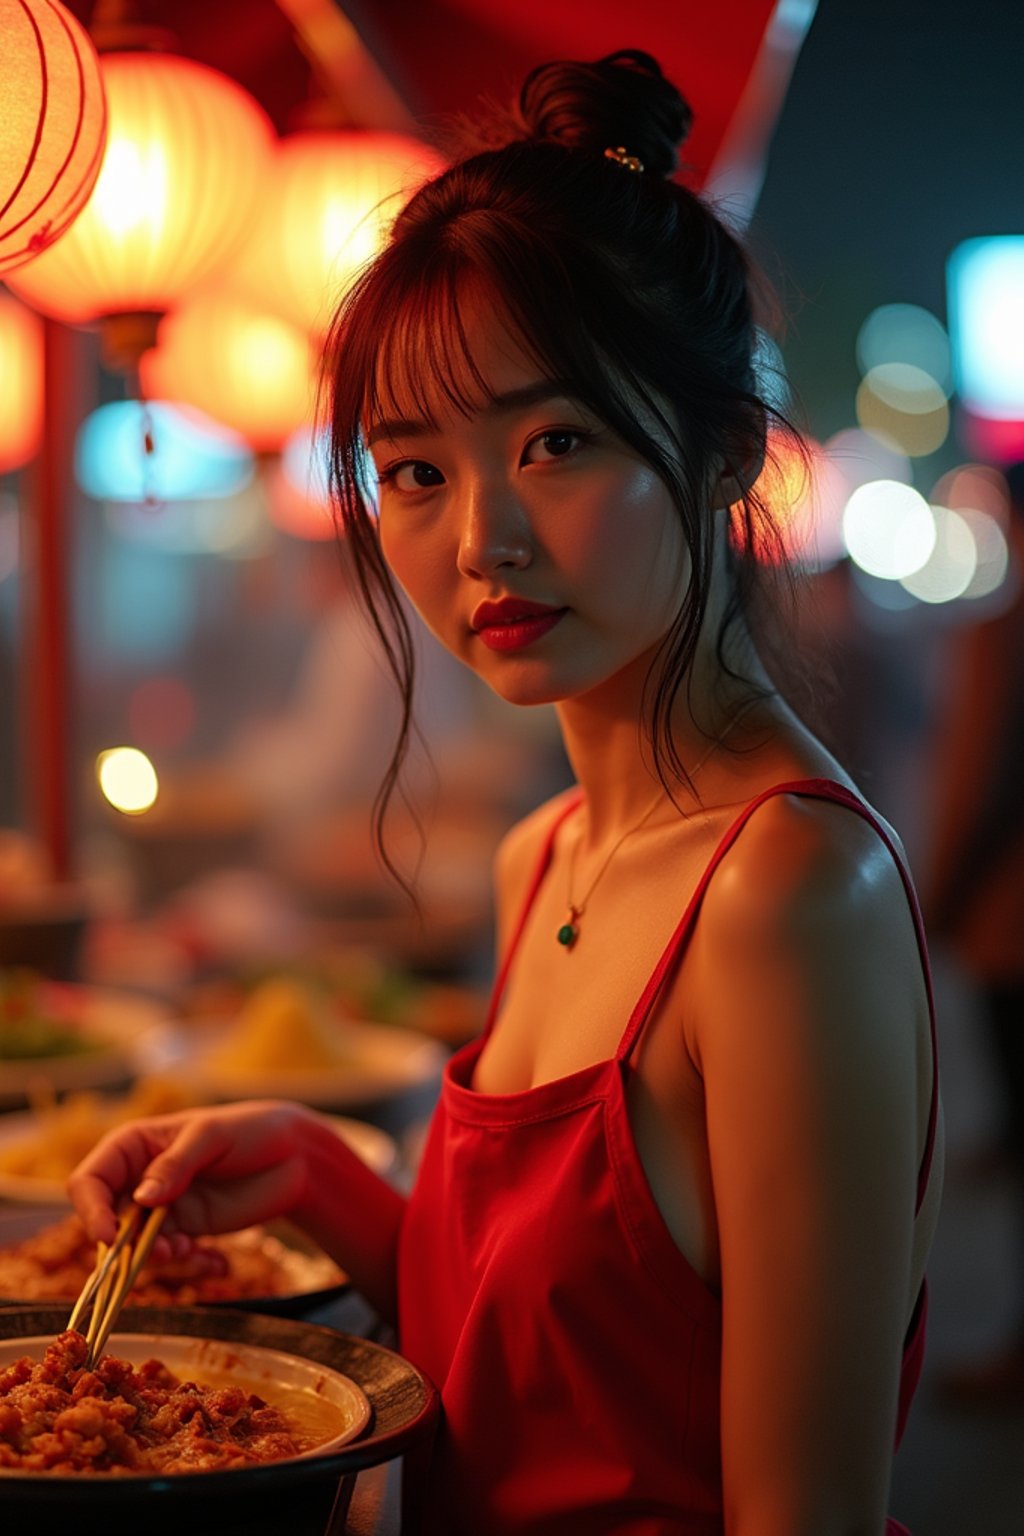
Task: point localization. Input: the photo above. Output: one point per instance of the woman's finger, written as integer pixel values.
(199, 1143)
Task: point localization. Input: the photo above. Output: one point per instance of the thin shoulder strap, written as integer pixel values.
(820, 789)
(540, 870)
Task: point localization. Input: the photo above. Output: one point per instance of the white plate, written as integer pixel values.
(374, 1146)
(386, 1061)
(315, 1395)
(132, 1035)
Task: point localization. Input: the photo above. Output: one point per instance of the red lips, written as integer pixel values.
(508, 609)
(514, 622)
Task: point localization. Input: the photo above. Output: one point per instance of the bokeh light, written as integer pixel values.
(904, 405)
(845, 461)
(985, 287)
(977, 486)
(191, 455)
(905, 333)
(1001, 441)
(979, 493)
(128, 779)
(950, 568)
(889, 529)
(993, 554)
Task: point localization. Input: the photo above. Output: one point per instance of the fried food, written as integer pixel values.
(55, 1263)
(57, 1416)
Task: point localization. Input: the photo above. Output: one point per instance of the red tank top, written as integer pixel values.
(576, 1350)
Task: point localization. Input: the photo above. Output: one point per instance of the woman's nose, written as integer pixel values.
(494, 532)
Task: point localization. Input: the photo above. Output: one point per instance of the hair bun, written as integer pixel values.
(622, 99)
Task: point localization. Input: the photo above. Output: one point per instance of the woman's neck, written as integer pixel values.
(611, 755)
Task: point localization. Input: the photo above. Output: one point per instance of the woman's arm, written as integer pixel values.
(811, 1001)
(221, 1169)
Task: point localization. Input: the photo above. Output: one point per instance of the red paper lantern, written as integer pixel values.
(330, 199)
(252, 371)
(21, 384)
(185, 164)
(53, 126)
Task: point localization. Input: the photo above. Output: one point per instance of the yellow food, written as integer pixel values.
(67, 1131)
(283, 1027)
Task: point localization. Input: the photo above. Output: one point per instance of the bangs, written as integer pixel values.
(424, 361)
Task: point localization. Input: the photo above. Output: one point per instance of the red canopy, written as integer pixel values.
(443, 55)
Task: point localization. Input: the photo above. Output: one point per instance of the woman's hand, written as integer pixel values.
(215, 1170)
(236, 1165)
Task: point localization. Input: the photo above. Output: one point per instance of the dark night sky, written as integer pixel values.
(902, 134)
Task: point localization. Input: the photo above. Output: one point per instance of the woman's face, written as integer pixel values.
(536, 544)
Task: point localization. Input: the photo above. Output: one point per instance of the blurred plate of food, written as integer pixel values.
(40, 1147)
(349, 983)
(56, 1036)
(47, 1258)
(291, 1038)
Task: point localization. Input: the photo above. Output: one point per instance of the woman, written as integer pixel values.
(665, 1257)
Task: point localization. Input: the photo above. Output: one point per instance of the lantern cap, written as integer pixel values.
(124, 338)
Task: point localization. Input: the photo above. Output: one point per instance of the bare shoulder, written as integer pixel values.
(807, 922)
(805, 865)
(517, 853)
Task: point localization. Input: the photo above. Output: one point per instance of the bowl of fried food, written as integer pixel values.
(192, 1417)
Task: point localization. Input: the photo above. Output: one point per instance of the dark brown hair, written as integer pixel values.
(625, 287)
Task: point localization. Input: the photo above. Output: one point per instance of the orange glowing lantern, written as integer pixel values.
(21, 384)
(186, 157)
(330, 200)
(252, 371)
(54, 126)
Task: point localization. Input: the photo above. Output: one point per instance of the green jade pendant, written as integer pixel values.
(569, 933)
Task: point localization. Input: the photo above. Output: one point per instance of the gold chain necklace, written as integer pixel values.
(569, 931)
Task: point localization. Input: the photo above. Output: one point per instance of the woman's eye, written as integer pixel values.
(411, 475)
(552, 445)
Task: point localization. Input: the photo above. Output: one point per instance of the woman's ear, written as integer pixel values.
(738, 476)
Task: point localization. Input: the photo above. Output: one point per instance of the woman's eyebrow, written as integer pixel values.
(510, 400)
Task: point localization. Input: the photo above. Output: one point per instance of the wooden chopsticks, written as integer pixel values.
(117, 1268)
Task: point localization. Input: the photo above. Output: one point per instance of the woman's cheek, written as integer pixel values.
(421, 570)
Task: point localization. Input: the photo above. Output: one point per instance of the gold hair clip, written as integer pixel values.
(628, 162)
